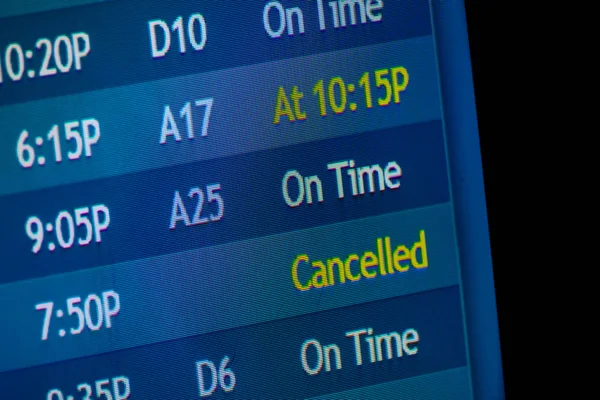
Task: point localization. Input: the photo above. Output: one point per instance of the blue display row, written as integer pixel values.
(202, 204)
(204, 290)
(306, 356)
(122, 42)
(120, 130)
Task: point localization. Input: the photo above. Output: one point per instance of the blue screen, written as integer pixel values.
(242, 199)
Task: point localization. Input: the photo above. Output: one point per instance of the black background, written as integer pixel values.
(489, 53)
(524, 192)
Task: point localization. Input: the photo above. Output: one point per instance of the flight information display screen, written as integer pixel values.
(242, 199)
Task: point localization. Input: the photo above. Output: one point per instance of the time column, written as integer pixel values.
(63, 143)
